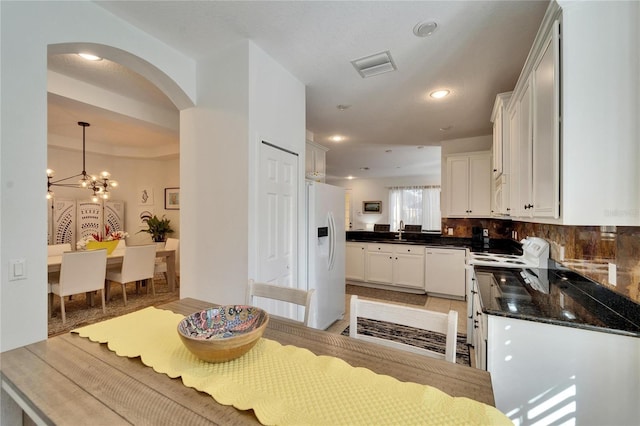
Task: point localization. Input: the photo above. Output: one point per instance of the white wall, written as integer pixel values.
(27, 28)
(131, 174)
(277, 115)
(375, 190)
(244, 97)
(456, 146)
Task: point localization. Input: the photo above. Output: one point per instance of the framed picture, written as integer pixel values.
(372, 206)
(145, 196)
(172, 198)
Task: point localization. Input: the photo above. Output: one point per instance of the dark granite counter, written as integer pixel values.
(558, 296)
(502, 246)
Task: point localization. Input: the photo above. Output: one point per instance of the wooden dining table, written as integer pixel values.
(69, 380)
(115, 259)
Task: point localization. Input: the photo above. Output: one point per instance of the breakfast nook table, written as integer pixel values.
(72, 380)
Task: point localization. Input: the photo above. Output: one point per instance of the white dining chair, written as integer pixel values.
(438, 322)
(137, 265)
(284, 294)
(161, 264)
(80, 272)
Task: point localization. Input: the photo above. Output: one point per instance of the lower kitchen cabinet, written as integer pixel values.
(355, 261)
(408, 267)
(397, 265)
(445, 272)
(379, 264)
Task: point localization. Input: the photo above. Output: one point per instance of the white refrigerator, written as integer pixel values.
(325, 253)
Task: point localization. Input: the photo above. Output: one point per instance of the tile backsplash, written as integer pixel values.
(587, 250)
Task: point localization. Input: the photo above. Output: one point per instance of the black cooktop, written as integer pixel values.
(556, 296)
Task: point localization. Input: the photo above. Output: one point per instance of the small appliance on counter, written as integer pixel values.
(479, 237)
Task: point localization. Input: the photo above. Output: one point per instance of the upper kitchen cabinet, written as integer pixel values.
(534, 126)
(501, 156)
(573, 118)
(315, 163)
(600, 110)
(500, 134)
(467, 187)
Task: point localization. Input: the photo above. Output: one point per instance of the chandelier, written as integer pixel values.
(99, 185)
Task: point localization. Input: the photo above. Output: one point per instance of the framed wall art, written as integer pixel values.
(145, 196)
(172, 198)
(372, 207)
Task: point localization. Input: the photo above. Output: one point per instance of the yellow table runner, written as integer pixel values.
(286, 384)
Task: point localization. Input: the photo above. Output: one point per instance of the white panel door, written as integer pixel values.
(277, 230)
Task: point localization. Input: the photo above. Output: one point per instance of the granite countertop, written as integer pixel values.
(558, 296)
(501, 246)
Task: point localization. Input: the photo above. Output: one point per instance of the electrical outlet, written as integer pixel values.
(613, 273)
(449, 231)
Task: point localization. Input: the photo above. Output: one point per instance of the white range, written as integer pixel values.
(535, 254)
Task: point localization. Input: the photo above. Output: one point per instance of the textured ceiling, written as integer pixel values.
(477, 51)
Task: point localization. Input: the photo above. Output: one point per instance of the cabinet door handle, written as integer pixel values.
(474, 292)
(478, 312)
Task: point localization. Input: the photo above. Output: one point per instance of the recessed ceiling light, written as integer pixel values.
(439, 94)
(444, 129)
(350, 177)
(337, 138)
(425, 29)
(89, 57)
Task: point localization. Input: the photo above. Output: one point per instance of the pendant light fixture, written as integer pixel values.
(99, 185)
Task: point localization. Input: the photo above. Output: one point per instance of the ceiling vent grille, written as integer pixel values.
(379, 63)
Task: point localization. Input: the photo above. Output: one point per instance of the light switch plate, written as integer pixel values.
(17, 269)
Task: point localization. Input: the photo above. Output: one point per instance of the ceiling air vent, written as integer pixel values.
(374, 64)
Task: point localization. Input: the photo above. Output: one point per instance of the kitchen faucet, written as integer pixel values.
(400, 230)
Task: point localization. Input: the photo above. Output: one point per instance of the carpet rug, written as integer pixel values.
(387, 295)
(79, 313)
(412, 336)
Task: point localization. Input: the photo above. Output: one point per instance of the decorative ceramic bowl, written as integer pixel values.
(223, 333)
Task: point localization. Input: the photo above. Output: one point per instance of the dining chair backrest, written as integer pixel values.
(438, 322)
(138, 263)
(172, 244)
(82, 271)
(58, 249)
(278, 292)
(120, 248)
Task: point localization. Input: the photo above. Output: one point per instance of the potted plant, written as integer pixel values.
(158, 228)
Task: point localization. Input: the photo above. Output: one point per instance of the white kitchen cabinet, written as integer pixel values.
(523, 204)
(545, 115)
(408, 266)
(535, 116)
(398, 265)
(315, 161)
(355, 261)
(445, 273)
(379, 267)
(500, 122)
(467, 189)
(542, 373)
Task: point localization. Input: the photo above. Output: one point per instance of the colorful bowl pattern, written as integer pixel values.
(223, 333)
(222, 323)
